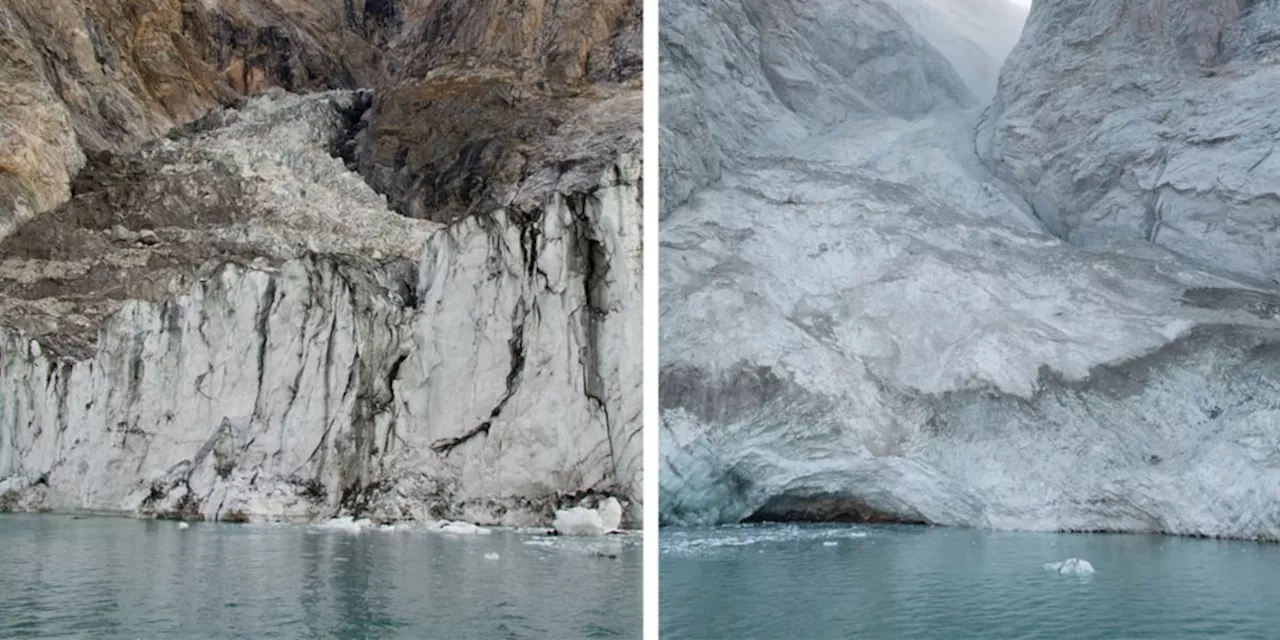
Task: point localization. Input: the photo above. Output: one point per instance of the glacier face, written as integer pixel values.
(863, 321)
(283, 346)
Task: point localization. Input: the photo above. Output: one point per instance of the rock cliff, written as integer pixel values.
(1151, 122)
(377, 258)
(878, 317)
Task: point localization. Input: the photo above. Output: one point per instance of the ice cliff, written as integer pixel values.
(886, 297)
(303, 306)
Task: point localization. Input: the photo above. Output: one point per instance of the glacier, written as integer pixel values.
(894, 289)
(285, 347)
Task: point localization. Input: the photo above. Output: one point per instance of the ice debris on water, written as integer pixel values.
(830, 543)
(346, 524)
(183, 525)
(460, 528)
(491, 556)
(1072, 566)
(584, 521)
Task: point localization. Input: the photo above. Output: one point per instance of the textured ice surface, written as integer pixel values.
(461, 529)
(1071, 566)
(585, 521)
(354, 360)
(861, 322)
(345, 524)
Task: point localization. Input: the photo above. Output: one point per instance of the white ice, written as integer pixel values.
(345, 524)
(460, 528)
(1070, 566)
(860, 313)
(584, 521)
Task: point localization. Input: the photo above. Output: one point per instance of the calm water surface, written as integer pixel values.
(789, 581)
(120, 578)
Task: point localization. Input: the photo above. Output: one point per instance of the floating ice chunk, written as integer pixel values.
(537, 531)
(346, 524)
(830, 543)
(1074, 566)
(183, 525)
(461, 528)
(491, 556)
(540, 542)
(578, 521)
(611, 514)
(392, 528)
(581, 521)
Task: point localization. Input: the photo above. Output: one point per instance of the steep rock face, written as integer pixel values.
(867, 324)
(487, 83)
(466, 92)
(280, 345)
(739, 78)
(1148, 121)
(106, 76)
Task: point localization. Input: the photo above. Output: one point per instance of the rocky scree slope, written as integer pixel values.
(867, 317)
(229, 322)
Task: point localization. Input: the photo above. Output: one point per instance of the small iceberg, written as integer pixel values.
(581, 521)
(830, 543)
(183, 525)
(346, 524)
(491, 556)
(1071, 566)
(460, 528)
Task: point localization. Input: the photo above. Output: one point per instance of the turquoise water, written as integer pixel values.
(120, 578)
(788, 581)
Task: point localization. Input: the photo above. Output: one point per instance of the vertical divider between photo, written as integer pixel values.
(650, 244)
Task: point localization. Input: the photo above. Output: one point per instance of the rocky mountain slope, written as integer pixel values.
(276, 260)
(868, 315)
(1149, 122)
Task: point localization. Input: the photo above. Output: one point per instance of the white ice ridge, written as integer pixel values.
(1070, 566)
(584, 521)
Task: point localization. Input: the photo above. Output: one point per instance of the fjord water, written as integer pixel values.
(841, 581)
(120, 578)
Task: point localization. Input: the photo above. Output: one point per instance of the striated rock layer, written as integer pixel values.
(865, 321)
(230, 323)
